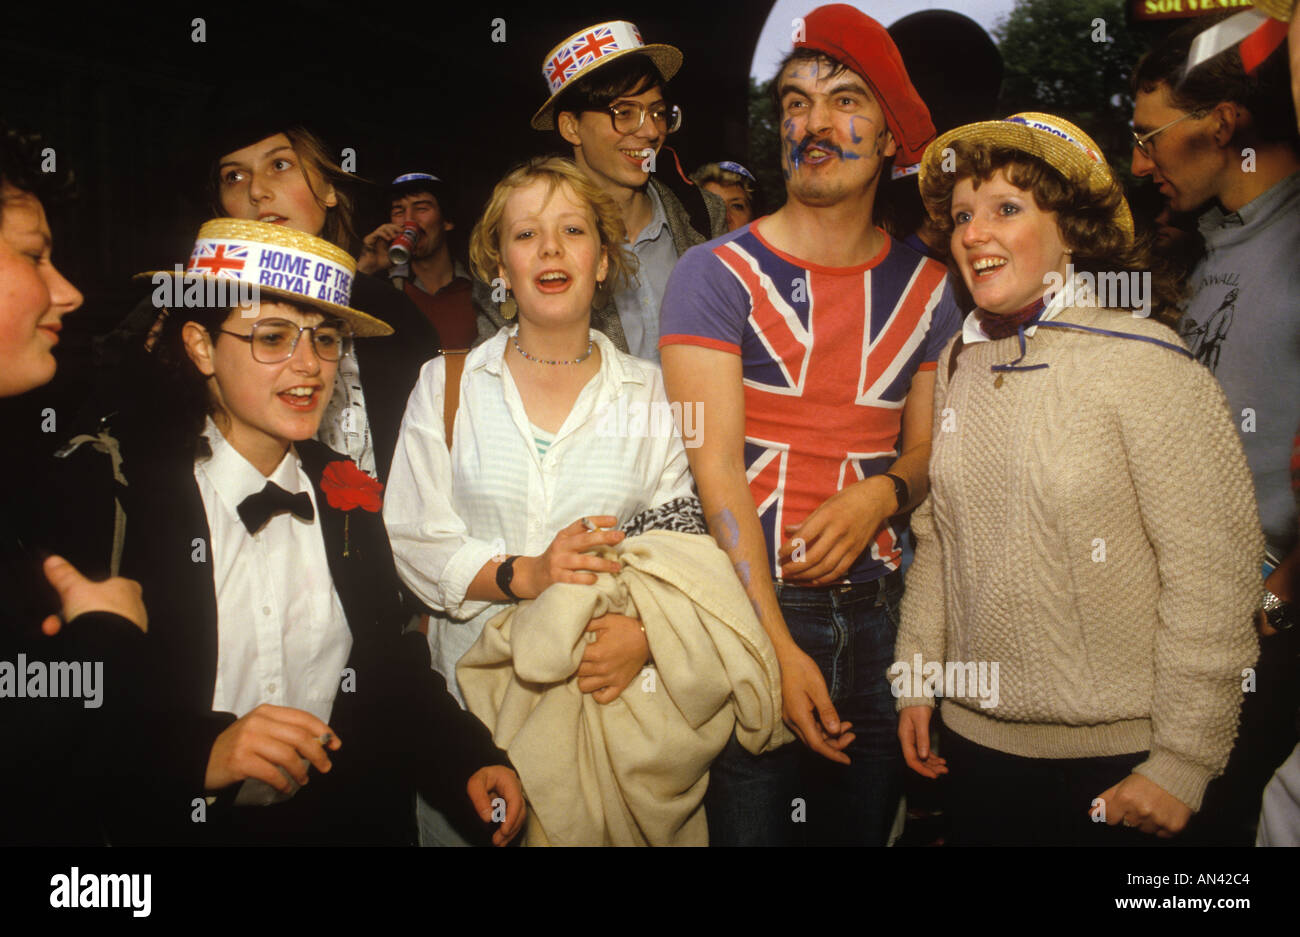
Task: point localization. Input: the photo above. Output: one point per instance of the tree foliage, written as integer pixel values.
(1073, 58)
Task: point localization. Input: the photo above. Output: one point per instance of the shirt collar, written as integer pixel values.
(658, 220)
(1261, 206)
(972, 331)
(234, 478)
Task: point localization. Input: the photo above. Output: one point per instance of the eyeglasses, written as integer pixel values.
(628, 116)
(275, 340)
(1142, 141)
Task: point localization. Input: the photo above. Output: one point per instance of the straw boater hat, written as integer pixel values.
(1055, 141)
(282, 263)
(589, 49)
(1278, 9)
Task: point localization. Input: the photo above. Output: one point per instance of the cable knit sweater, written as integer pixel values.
(1091, 528)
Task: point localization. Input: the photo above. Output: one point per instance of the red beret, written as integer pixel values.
(854, 39)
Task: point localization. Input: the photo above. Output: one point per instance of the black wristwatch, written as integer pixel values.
(900, 491)
(506, 573)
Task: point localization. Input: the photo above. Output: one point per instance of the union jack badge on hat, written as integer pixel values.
(589, 49)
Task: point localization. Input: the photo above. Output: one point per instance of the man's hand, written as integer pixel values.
(914, 736)
(807, 708)
(486, 785)
(837, 532)
(1139, 802)
(80, 596)
(614, 659)
(267, 739)
(374, 248)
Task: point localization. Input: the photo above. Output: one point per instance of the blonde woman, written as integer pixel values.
(539, 468)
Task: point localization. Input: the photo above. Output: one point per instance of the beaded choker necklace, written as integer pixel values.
(590, 347)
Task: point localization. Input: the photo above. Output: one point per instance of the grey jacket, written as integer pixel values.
(604, 314)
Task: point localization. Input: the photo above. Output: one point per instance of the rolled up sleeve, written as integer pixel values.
(434, 553)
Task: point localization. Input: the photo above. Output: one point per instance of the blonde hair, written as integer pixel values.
(485, 241)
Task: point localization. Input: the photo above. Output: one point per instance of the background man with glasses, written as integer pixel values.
(609, 102)
(1224, 142)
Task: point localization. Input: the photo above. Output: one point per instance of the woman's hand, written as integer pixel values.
(498, 782)
(613, 660)
(914, 735)
(566, 559)
(80, 596)
(265, 742)
(1139, 802)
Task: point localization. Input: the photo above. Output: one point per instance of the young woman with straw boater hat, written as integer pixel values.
(1090, 546)
(263, 165)
(275, 606)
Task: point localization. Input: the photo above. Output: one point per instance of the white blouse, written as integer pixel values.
(448, 514)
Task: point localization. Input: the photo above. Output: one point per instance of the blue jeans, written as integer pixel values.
(795, 797)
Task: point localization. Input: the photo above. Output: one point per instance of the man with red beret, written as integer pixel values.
(807, 340)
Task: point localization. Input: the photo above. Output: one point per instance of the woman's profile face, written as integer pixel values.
(551, 255)
(34, 296)
(269, 182)
(1004, 244)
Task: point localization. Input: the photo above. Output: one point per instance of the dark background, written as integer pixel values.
(126, 99)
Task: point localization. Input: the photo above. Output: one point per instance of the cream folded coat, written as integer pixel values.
(634, 771)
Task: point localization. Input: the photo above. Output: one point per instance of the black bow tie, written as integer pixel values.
(256, 510)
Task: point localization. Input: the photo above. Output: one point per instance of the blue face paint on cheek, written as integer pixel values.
(791, 155)
(853, 133)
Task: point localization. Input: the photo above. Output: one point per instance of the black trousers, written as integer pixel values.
(996, 799)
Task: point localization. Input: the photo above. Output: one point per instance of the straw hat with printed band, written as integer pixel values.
(231, 249)
(1278, 9)
(589, 49)
(1055, 141)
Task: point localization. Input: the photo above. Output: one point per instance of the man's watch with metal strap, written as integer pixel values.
(1278, 612)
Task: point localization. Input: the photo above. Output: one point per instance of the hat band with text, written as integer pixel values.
(284, 268)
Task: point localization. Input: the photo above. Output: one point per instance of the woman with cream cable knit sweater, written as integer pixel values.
(1088, 558)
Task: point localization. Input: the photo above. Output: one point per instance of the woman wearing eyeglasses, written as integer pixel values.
(616, 113)
(265, 166)
(274, 605)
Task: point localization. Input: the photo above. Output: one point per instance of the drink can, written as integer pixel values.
(399, 251)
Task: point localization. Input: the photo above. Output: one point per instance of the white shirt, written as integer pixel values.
(282, 636)
(448, 514)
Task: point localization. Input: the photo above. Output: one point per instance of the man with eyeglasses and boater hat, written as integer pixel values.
(609, 101)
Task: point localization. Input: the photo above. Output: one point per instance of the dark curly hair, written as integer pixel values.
(20, 168)
(182, 394)
(1087, 218)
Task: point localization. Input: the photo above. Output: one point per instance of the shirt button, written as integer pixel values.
(270, 688)
(266, 609)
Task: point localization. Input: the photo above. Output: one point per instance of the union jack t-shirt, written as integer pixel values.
(828, 355)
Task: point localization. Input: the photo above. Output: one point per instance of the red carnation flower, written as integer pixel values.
(347, 487)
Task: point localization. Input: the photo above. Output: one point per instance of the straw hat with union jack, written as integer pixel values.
(589, 49)
(279, 262)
